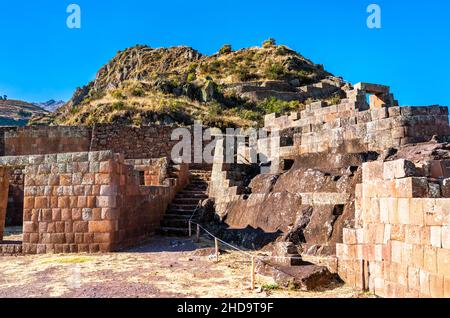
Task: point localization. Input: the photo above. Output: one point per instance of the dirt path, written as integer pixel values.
(164, 268)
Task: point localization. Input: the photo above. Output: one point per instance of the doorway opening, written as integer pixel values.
(13, 222)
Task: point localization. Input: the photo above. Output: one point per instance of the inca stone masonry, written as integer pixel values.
(364, 184)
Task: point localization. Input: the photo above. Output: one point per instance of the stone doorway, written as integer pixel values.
(12, 198)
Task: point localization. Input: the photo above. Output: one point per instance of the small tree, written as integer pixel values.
(5, 97)
(270, 42)
(225, 49)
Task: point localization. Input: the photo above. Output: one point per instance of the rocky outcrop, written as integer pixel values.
(179, 79)
(307, 277)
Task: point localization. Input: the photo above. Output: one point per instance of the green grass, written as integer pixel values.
(68, 260)
(270, 287)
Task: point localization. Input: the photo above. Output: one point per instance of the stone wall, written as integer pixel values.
(152, 171)
(36, 140)
(88, 202)
(134, 142)
(400, 245)
(4, 184)
(331, 127)
(143, 142)
(355, 126)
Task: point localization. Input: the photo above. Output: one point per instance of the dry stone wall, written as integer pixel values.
(344, 126)
(37, 140)
(400, 245)
(143, 142)
(88, 202)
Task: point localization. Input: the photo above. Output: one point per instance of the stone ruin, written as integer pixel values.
(361, 187)
(330, 189)
(85, 189)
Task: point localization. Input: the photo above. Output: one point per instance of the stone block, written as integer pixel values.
(94, 248)
(443, 262)
(430, 259)
(373, 171)
(436, 286)
(436, 236)
(102, 226)
(80, 226)
(416, 215)
(398, 169)
(413, 234)
(396, 250)
(424, 278)
(445, 237)
(417, 256)
(83, 248)
(106, 202)
(403, 211)
(103, 178)
(398, 233)
(445, 188)
(103, 237)
(411, 187)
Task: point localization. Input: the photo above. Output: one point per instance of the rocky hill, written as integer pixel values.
(18, 113)
(142, 85)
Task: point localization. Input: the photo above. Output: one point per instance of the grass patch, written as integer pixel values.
(270, 287)
(68, 260)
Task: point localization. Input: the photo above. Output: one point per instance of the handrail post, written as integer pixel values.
(197, 237)
(253, 273)
(216, 243)
(190, 229)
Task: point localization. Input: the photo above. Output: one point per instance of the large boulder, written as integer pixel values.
(306, 277)
(263, 183)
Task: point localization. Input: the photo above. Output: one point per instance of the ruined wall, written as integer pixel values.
(400, 245)
(134, 142)
(37, 140)
(87, 202)
(152, 171)
(4, 184)
(324, 128)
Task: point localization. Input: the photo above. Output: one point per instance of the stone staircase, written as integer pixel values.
(176, 219)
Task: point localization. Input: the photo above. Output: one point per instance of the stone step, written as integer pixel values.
(186, 201)
(199, 195)
(183, 206)
(180, 212)
(196, 188)
(177, 216)
(172, 223)
(174, 231)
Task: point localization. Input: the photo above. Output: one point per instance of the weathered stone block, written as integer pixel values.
(398, 169)
(102, 226)
(436, 236)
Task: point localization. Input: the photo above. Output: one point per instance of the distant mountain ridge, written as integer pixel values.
(50, 105)
(19, 113)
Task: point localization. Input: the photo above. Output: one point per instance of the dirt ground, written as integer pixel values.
(166, 267)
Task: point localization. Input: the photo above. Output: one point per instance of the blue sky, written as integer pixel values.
(40, 58)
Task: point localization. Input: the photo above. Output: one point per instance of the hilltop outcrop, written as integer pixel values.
(143, 85)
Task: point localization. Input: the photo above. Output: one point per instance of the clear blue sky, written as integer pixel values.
(40, 58)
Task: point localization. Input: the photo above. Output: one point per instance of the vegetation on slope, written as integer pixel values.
(141, 85)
